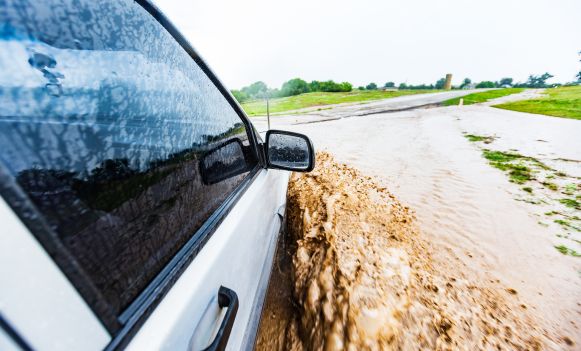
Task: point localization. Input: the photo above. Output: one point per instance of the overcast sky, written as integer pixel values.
(364, 41)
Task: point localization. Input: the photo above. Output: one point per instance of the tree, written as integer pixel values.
(389, 85)
(371, 86)
(440, 83)
(402, 86)
(485, 84)
(345, 87)
(273, 93)
(329, 86)
(294, 86)
(538, 81)
(315, 85)
(255, 90)
(360, 88)
(505, 81)
(240, 95)
(465, 83)
(420, 86)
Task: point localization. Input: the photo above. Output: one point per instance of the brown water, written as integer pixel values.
(363, 277)
(468, 210)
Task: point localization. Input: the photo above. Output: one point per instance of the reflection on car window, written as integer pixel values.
(104, 119)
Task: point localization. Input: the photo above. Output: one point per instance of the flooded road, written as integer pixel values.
(475, 222)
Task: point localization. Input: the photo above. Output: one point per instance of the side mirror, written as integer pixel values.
(289, 151)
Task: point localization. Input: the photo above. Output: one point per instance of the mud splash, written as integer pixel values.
(364, 279)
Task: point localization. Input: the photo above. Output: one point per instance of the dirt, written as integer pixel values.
(363, 277)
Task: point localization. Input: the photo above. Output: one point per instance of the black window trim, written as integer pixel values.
(124, 326)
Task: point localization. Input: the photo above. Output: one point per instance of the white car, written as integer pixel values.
(140, 209)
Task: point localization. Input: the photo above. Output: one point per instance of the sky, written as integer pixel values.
(363, 41)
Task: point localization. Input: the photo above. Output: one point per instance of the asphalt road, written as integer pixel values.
(334, 112)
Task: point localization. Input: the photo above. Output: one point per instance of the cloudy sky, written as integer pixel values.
(413, 41)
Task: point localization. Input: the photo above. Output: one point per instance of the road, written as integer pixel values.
(333, 112)
(467, 209)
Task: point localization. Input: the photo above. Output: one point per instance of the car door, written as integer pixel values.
(133, 188)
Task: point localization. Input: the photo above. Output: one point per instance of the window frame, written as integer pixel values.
(124, 326)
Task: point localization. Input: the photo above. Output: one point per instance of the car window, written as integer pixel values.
(116, 136)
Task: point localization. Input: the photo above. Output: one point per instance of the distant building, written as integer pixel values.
(448, 83)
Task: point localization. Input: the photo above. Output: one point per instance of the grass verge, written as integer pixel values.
(482, 96)
(258, 107)
(559, 102)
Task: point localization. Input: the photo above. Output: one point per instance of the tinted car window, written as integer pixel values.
(117, 137)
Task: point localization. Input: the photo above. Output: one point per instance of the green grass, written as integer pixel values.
(516, 165)
(475, 98)
(505, 161)
(559, 102)
(566, 224)
(567, 251)
(499, 156)
(551, 186)
(477, 138)
(571, 203)
(570, 189)
(278, 105)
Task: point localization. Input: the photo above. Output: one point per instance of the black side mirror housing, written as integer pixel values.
(289, 151)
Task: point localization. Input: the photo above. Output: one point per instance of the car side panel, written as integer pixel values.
(37, 299)
(233, 257)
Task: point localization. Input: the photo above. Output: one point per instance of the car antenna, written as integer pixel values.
(267, 111)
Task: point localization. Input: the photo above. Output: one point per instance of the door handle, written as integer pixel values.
(226, 298)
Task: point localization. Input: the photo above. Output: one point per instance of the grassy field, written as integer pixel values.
(483, 96)
(258, 107)
(559, 102)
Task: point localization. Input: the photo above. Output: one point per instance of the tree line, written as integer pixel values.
(534, 81)
(296, 86)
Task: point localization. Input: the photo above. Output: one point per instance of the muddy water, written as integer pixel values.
(363, 277)
(468, 210)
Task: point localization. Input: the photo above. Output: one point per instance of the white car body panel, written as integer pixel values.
(37, 299)
(238, 256)
(234, 257)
